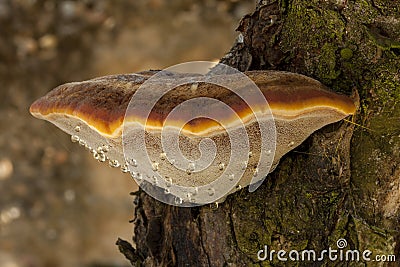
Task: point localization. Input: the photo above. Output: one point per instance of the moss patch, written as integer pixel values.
(346, 53)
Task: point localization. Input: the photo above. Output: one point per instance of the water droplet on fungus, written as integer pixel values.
(211, 191)
(114, 163)
(221, 166)
(75, 138)
(154, 166)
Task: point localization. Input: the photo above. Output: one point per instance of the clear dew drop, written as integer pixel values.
(269, 151)
(211, 191)
(238, 187)
(240, 38)
(82, 142)
(190, 168)
(244, 165)
(214, 206)
(96, 155)
(77, 128)
(125, 168)
(163, 156)
(168, 182)
(136, 176)
(154, 166)
(255, 172)
(167, 191)
(103, 149)
(154, 180)
(195, 191)
(273, 19)
(291, 144)
(178, 200)
(75, 138)
(189, 196)
(102, 157)
(221, 166)
(132, 162)
(231, 177)
(114, 163)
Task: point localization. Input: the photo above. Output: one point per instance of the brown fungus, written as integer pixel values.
(93, 112)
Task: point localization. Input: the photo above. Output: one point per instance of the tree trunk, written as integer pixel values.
(342, 182)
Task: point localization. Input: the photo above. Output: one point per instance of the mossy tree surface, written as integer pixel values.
(343, 182)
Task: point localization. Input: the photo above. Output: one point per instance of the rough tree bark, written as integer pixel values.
(343, 182)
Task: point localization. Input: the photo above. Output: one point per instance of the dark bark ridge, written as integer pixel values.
(336, 184)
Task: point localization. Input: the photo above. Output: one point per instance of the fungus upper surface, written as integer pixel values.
(102, 102)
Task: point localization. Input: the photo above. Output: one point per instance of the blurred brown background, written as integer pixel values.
(59, 207)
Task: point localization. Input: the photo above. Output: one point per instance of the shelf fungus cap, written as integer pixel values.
(95, 113)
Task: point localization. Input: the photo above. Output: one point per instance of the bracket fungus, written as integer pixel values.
(94, 113)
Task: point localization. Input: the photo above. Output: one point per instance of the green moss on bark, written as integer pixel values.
(354, 48)
(346, 53)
